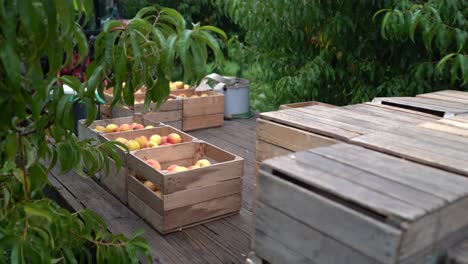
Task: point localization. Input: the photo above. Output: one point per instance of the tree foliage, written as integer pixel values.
(37, 120)
(350, 51)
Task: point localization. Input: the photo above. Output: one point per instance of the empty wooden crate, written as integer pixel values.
(346, 204)
(201, 109)
(188, 197)
(116, 180)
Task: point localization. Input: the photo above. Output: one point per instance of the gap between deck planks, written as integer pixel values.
(222, 241)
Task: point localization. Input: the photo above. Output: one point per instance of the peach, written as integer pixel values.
(151, 144)
(150, 186)
(122, 140)
(124, 127)
(204, 95)
(193, 167)
(143, 141)
(164, 139)
(165, 144)
(154, 163)
(111, 128)
(156, 139)
(100, 129)
(203, 163)
(133, 145)
(150, 126)
(194, 96)
(172, 167)
(174, 138)
(186, 86)
(137, 126)
(179, 85)
(179, 169)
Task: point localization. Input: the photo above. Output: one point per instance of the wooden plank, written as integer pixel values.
(202, 121)
(201, 212)
(434, 228)
(201, 106)
(450, 128)
(443, 157)
(444, 108)
(370, 122)
(438, 182)
(389, 114)
(163, 117)
(402, 111)
(365, 234)
(407, 193)
(197, 195)
(267, 151)
(319, 126)
(276, 253)
(299, 237)
(116, 180)
(459, 254)
(443, 97)
(304, 104)
(343, 189)
(288, 137)
(145, 211)
(155, 202)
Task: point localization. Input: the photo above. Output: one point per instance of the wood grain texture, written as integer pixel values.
(202, 121)
(266, 151)
(301, 238)
(391, 113)
(361, 232)
(163, 117)
(448, 126)
(447, 95)
(304, 104)
(275, 253)
(438, 153)
(459, 254)
(446, 108)
(116, 180)
(289, 138)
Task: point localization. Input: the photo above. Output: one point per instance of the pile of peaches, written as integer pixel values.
(171, 169)
(111, 128)
(155, 140)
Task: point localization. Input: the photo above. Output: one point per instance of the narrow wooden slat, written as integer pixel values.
(447, 128)
(448, 109)
(163, 117)
(275, 253)
(289, 138)
(304, 104)
(213, 104)
(299, 237)
(402, 111)
(116, 180)
(459, 254)
(359, 231)
(389, 113)
(444, 97)
(315, 125)
(202, 121)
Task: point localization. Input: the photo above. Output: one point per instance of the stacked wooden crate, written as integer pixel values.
(201, 109)
(169, 113)
(116, 180)
(347, 204)
(295, 129)
(187, 197)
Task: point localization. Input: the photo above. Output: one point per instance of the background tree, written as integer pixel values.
(347, 51)
(36, 126)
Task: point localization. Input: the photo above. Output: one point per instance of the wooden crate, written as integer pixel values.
(346, 204)
(189, 197)
(304, 104)
(201, 112)
(89, 132)
(105, 111)
(296, 129)
(116, 180)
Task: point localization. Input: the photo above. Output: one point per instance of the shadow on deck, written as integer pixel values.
(222, 241)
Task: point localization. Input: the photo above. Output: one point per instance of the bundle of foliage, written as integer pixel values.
(37, 121)
(350, 51)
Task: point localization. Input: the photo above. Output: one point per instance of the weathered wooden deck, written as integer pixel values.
(222, 241)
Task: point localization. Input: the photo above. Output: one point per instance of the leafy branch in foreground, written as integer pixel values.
(38, 39)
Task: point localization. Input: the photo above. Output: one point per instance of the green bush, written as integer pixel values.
(345, 52)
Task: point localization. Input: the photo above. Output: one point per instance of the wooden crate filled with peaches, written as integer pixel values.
(200, 109)
(182, 185)
(169, 113)
(148, 138)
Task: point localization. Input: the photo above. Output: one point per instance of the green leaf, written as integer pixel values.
(444, 60)
(11, 146)
(112, 24)
(415, 18)
(461, 37)
(215, 29)
(385, 24)
(145, 10)
(38, 209)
